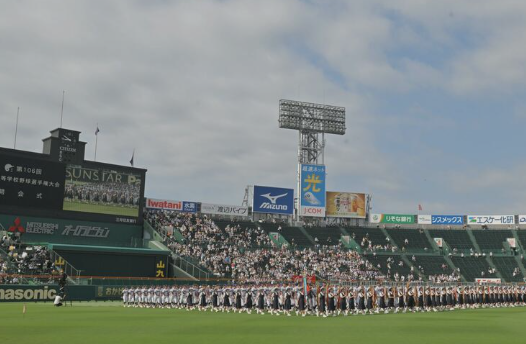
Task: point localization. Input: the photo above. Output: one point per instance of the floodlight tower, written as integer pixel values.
(312, 121)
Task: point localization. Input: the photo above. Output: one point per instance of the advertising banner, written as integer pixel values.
(27, 293)
(522, 219)
(440, 219)
(190, 207)
(41, 230)
(312, 193)
(102, 190)
(488, 280)
(491, 219)
(31, 183)
(346, 204)
(221, 209)
(273, 200)
(163, 204)
(392, 218)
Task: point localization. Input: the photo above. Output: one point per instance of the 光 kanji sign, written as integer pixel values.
(312, 190)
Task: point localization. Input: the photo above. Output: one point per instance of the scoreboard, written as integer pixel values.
(60, 183)
(31, 182)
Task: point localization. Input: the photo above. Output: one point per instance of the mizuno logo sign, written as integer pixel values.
(273, 199)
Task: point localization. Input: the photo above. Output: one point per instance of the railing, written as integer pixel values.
(190, 268)
(420, 284)
(64, 266)
(132, 243)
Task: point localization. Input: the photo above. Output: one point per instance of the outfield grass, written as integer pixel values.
(100, 208)
(97, 323)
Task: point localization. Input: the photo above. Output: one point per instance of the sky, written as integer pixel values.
(434, 91)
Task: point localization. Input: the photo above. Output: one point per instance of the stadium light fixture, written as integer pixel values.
(310, 117)
(312, 121)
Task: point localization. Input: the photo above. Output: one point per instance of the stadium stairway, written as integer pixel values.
(506, 266)
(452, 265)
(181, 268)
(417, 240)
(351, 244)
(518, 243)
(492, 265)
(521, 236)
(393, 243)
(431, 264)
(325, 235)
(521, 265)
(434, 245)
(409, 263)
(472, 267)
(454, 239)
(62, 265)
(473, 240)
(278, 239)
(304, 231)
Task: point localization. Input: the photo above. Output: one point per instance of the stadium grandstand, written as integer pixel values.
(73, 230)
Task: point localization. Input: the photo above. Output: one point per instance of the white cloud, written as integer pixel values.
(194, 86)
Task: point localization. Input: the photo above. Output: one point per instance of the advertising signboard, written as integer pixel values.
(440, 219)
(31, 183)
(392, 218)
(222, 209)
(312, 190)
(273, 200)
(491, 219)
(346, 204)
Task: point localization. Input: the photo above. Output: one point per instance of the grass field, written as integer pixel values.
(97, 323)
(100, 209)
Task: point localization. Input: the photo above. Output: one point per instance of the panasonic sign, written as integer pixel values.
(26, 293)
(273, 200)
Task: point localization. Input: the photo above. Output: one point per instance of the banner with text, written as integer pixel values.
(273, 200)
(189, 207)
(401, 219)
(222, 209)
(312, 193)
(491, 219)
(346, 204)
(164, 204)
(42, 230)
(440, 219)
(31, 183)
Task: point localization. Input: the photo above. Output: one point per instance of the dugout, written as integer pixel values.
(115, 261)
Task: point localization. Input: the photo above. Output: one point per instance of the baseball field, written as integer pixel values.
(111, 323)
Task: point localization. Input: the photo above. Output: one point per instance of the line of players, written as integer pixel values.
(324, 300)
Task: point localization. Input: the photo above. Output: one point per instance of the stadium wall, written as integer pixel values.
(28, 293)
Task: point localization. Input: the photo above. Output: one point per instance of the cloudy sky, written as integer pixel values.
(435, 93)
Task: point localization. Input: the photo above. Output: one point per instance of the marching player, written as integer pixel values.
(321, 303)
(125, 297)
(331, 305)
(370, 301)
(361, 300)
(342, 295)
